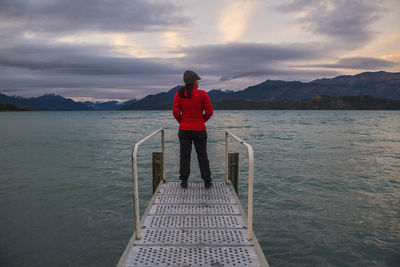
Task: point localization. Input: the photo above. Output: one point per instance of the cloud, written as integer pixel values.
(91, 71)
(101, 15)
(392, 57)
(364, 63)
(238, 60)
(106, 49)
(234, 19)
(348, 22)
(81, 71)
(25, 82)
(78, 59)
(253, 52)
(88, 71)
(126, 46)
(174, 39)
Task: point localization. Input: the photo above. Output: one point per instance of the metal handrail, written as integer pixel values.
(134, 174)
(250, 183)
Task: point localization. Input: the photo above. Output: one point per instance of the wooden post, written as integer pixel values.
(233, 170)
(157, 169)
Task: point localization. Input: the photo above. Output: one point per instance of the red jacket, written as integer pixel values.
(189, 111)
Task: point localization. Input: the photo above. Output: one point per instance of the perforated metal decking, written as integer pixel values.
(193, 227)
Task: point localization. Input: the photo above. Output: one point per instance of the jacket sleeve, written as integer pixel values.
(176, 108)
(207, 107)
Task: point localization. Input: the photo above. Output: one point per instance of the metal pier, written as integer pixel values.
(194, 226)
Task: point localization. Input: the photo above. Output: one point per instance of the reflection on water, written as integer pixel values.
(326, 183)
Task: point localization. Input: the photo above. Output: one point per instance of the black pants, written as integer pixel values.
(199, 139)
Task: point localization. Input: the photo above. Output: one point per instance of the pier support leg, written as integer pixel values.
(157, 169)
(233, 170)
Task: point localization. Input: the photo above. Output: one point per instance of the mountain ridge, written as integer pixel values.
(379, 84)
(319, 102)
(53, 102)
(376, 84)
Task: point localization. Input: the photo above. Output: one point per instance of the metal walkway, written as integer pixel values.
(194, 226)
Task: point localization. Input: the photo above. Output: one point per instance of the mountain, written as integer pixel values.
(129, 102)
(57, 102)
(109, 105)
(154, 102)
(44, 102)
(376, 84)
(216, 95)
(361, 102)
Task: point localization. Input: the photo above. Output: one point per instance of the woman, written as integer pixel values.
(189, 104)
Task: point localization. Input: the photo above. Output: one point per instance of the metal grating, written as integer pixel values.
(182, 199)
(195, 191)
(202, 221)
(188, 209)
(192, 256)
(193, 227)
(196, 183)
(194, 237)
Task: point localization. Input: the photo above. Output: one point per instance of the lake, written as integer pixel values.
(327, 183)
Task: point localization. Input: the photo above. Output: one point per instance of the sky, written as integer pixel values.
(101, 50)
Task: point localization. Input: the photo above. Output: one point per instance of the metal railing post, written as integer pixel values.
(135, 190)
(250, 194)
(233, 170)
(135, 180)
(226, 157)
(163, 155)
(250, 182)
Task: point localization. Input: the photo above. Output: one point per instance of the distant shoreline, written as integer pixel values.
(8, 107)
(361, 102)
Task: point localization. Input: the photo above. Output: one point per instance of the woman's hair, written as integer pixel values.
(188, 88)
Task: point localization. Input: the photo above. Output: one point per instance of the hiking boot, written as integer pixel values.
(184, 184)
(208, 184)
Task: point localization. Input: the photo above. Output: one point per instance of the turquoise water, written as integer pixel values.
(327, 183)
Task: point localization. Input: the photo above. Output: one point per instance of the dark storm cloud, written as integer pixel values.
(252, 52)
(26, 82)
(365, 63)
(345, 21)
(66, 68)
(51, 68)
(238, 60)
(80, 60)
(94, 15)
(231, 60)
(33, 66)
